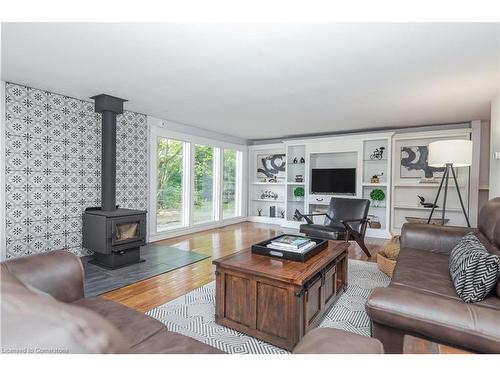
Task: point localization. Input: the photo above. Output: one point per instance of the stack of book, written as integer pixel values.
(296, 244)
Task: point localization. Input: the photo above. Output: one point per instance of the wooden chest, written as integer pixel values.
(277, 300)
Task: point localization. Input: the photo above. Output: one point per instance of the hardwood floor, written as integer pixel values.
(415, 345)
(216, 243)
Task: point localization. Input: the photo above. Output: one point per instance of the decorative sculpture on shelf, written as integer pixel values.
(295, 160)
(302, 160)
(282, 214)
(374, 222)
(377, 154)
(297, 216)
(299, 178)
(259, 211)
(425, 204)
(268, 194)
(376, 178)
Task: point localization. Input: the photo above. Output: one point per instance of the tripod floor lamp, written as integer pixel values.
(449, 154)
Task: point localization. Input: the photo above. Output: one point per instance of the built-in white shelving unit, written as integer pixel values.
(376, 163)
(406, 189)
(372, 154)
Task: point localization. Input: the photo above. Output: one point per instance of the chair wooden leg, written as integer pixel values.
(359, 240)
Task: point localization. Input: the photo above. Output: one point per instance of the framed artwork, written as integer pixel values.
(414, 163)
(271, 166)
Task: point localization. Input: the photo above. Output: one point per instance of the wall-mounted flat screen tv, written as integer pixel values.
(333, 181)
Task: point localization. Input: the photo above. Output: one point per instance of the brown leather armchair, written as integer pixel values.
(421, 299)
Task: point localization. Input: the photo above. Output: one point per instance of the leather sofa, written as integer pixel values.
(44, 311)
(421, 300)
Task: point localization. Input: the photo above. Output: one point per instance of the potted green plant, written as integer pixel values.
(298, 193)
(377, 196)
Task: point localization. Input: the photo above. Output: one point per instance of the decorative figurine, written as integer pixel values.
(374, 222)
(299, 178)
(282, 213)
(295, 160)
(302, 160)
(425, 204)
(297, 216)
(272, 211)
(376, 178)
(259, 211)
(263, 195)
(377, 154)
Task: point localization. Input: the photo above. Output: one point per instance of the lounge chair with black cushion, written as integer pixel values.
(346, 219)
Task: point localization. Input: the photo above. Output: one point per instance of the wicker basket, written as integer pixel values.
(385, 264)
(386, 258)
(391, 248)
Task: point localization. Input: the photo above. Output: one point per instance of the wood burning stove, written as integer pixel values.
(114, 234)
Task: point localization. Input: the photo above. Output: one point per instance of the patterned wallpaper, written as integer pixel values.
(52, 161)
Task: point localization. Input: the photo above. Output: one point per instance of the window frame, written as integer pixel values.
(190, 143)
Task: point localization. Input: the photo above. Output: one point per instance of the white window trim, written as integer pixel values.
(156, 131)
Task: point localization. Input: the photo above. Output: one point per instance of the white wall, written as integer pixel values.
(495, 148)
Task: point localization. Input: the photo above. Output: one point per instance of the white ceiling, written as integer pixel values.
(267, 80)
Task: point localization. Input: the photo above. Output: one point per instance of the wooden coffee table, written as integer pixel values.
(278, 300)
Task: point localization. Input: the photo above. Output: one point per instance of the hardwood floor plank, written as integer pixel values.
(150, 293)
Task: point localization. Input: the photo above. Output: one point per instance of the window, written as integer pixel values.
(230, 185)
(203, 209)
(195, 182)
(170, 183)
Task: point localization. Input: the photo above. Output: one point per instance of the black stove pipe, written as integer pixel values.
(109, 107)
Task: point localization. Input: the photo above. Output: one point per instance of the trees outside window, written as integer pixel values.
(169, 199)
(229, 184)
(203, 210)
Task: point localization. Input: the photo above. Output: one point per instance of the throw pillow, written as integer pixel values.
(473, 270)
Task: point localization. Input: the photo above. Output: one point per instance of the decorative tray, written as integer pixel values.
(262, 249)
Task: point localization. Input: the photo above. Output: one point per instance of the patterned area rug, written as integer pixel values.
(193, 314)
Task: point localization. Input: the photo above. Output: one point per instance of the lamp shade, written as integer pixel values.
(455, 151)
